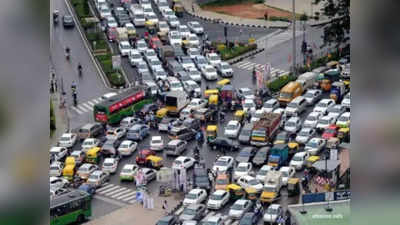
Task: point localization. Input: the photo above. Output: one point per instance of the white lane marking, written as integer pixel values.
(235, 223)
(249, 66)
(130, 198)
(108, 190)
(111, 201)
(179, 211)
(115, 191)
(228, 221)
(242, 64)
(132, 202)
(82, 108)
(95, 101)
(90, 103)
(87, 106)
(107, 185)
(130, 194)
(121, 193)
(77, 110)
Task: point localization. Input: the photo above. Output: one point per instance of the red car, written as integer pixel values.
(331, 131)
(155, 43)
(141, 158)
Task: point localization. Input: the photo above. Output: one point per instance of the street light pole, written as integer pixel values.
(294, 37)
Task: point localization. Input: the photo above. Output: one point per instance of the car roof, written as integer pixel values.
(241, 201)
(272, 100)
(56, 149)
(129, 166)
(97, 172)
(225, 158)
(300, 153)
(284, 168)
(325, 100)
(213, 218)
(109, 160)
(181, 158)
(196, 190)
(315, 139)
(243, 164)
(174, 142)
(219, 192)
(156, 138)
(235, 122)
(294, 118)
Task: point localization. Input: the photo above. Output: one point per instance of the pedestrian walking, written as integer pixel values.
(55, 85)
(192, 7)
(165, 207)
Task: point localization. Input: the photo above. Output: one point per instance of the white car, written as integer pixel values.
(246, 93)
(344, 120)
(149, 174)
(147, 11)
(156, 143)
(299, 160)
(167, 12)
(232, 129)
(174, 38)
(127, 147)
(225, 70)
(115, 133)
(193, 40)
(311, 120)
(242, 169)
(128, 172)
(67, 140)
(193, 53)
(336, 110)
(257, 115)
(194, 74)
(262, 173)
(124, 48)
(270, 105)
(293, 125)
(155, 64)
(213, 59)
(249, 106)
(104, 11)
(324, 122)
(152, 17)
(141, 45)
(272, 213)
(130, 27)
(185, 113)
(305, 135)
(135, 57)
(191, 85)
(197, 103)
(110, 165)
(89, 143)
(195, 196)
(58, 153)
(86, 169)
(195, 27)
(218, 199)
(128, 122)
(173, 21)
(315, 145)
(57, 183)
(248, 181)
(223, 164)
(239, 208)
(187, 63)
(163, 26)
(111, 22)
(287, 173)
(183, 162)
(346, 102)
(56, 169)
(209, 72)
(175, 84)
(150, 54)
(312, 96)
(108, 95)
(184, 30)
(323, 105)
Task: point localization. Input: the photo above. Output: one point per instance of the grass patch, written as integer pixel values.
(233, 50)
(281, 81)
(229, 2)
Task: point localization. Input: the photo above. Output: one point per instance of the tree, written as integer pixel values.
(337, 31)
(86, 9)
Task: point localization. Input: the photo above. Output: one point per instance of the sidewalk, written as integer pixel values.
(136, 214)
(61, 120)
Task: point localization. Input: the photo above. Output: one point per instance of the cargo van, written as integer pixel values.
(175, 147)
(289, 92)
(174, 67)
(90, 130)
(307, 80)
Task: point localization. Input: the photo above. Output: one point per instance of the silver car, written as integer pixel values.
(239, 208)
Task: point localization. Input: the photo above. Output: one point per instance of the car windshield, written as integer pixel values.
(254, 182)
(285, 95)
(285, 173)
(125, 46)
(156, 141)
(54, 168)
(290, 124)
(222, 181)
(304, 133)
(225, 67)
(141, 45)
(176, 85)
(241, 169)
(193, 38)
(124, 145)
(188, 211)
(214, 58)
(150, 53)
(196, 25)
(247, 92)
(126, 170)
(292, 105)
(312, 144)
(324, 121)
(194, 52)
(322, 104)
(186, 60)
(248, 105)
(174, 36)
(231, 127)
(221, 163)
(64, 139)
(163, 25)
(191, 196)
(268, 105)
(246, 132)
(281, 136)
(237, 207)
(297, 158)
(312, 118)
(210, 70)
(209, 223)
(139, 16)
(268, 189)
(335, 110)
(309, 95)
(343, 119)
(244, 153)
(84, 169)
(194, 85)
(201, 61)
(142, 66)
(178, 162)
(107, 164)
(94, 176)
(262, 172)
(272, 211)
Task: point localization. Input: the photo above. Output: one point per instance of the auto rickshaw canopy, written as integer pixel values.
(293, 145)
(209, 92)
(293, 181)
(70, 160)
(223, 82)
(212, 128)
(239, 114)
(344, 130)
(149, 24)
(313, 159)
(92, 153)
(234, 187)
(162, 112)
(213, 100)
(251, 190)
(154, 158)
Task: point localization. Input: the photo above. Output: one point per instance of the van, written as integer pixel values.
(175, 147)
(90, 130)
(100, 3)
(307, 80)
(138, 18)
(174, 67)
(182, 133)
(289, 92)
(296, 106)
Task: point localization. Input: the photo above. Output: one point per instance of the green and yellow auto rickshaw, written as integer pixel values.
(293, 147)
(154, 161)
(236, 191)
(293, 186)
(252, 194)
(311, 160)
(151, 26)
(344, 134)
(160, 114)
(222, 83)
(211, 132)
(69, 169)
(239, 116)
(93, 155)
(213, 100)
(209, 92)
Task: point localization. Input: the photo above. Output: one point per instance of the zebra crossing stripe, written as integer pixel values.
(107, 185)
(90, 103)
(121, 193)
(87, 106)
(115, 191)
(210, 214)
(130, 198)
(228, 221)
(82, 108)
(95, 101)
(249, 66)
(132, 202)
(108, 190)
(179, 211)
(77, 110)
(243, 63)
(133, 193)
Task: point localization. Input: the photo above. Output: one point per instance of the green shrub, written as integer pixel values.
(104, 57)
(304, 17)
(258, 1)
(279, 18)
(116, 79)
(107, 66)
(277, 84)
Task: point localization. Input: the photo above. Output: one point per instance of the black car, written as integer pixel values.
(245, 134)
(261, 156)
(68, 21)
(122, 19)
(182, 133)
(192, 123)
(246, 154)
(193, 212)
(223, 143)
(168, 220)
(149, 108)
(201, 178)
(252, 218)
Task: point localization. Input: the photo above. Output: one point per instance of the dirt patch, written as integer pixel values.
(248, 10)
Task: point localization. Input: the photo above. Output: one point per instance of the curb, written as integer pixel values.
(247, 55)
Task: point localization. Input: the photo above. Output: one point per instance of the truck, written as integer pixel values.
(122, 34)
(265, 129)
(175, 101)
(338, 90)
(278, 155)
(272, 187)
(307, 80)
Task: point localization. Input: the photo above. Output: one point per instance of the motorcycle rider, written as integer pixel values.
(79, 69)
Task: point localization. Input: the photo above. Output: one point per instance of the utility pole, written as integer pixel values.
(294, 38)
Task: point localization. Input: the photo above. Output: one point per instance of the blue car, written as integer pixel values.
(137, 132)
(88, 188)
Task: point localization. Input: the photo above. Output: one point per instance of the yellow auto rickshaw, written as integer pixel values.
(178, 9)
(211, 132)
(151, 26)
(93, 155)
(332, 64)
(333, 143)
(239, 116)
(155, 162)
(293, 147)
(235, 191)
(311, 160)
(252, 194)
(213, 100)
(222, 83)
(69, 169)
(293, 186)
(161, 113)
(344, 134)
(209, 92)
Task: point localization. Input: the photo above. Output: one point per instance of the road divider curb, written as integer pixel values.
(244, 56)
